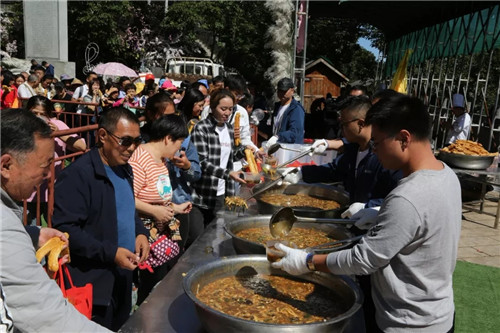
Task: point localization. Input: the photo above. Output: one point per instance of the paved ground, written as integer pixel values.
(479, 242)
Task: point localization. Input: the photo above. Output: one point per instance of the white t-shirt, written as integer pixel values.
(277, 123)
(225, 152)
(25, 91)
(460, 128)
(81, 91)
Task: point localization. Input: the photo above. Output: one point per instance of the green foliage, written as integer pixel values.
(231, 32)
(12, 29)
(337, 39)
(101, 22)
(363, 65)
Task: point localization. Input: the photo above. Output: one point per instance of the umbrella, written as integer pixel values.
(114, 69)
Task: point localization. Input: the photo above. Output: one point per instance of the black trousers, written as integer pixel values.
(147, 280)
(368, 305)
(114, 315)
(210, 213)
(192, 227)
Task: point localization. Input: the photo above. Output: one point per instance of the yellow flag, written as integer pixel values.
(399, 81)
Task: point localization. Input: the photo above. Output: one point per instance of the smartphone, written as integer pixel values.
(178, 153)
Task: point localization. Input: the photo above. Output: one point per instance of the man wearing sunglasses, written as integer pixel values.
(358, 168)
(94, 203)
(361, 174)
(411, 251)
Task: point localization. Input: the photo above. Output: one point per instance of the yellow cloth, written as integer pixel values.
(399, 81)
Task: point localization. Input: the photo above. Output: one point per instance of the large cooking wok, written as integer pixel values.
(315, 190)
(244, 246)
(348, 295)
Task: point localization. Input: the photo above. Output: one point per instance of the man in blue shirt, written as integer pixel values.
(94, 203)
(288, 116)
(358, 168)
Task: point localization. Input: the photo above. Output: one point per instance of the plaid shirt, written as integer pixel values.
(206, 141)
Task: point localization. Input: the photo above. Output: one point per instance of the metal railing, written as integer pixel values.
(49, 182)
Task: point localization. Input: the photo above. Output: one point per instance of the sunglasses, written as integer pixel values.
(126, 141)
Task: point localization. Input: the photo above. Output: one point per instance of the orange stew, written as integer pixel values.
(271, 299)
(301, 237)
(298, 200)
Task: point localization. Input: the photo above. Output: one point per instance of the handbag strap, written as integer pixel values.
(70, 280)
(61, 272)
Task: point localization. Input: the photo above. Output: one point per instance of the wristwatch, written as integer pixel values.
(309, 262)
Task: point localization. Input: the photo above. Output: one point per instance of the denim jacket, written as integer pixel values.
(180, 179)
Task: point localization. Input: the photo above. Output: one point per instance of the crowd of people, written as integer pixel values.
(164, 159)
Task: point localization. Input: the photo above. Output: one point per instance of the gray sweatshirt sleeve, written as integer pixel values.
(397, 224)
(35, 301)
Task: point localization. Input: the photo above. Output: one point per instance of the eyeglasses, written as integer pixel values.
(375, 144)
(126, 141)
(344, 123)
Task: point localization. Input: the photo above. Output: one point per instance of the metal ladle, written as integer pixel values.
(282, 221)
(274, 148)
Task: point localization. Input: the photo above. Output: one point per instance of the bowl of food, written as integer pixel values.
(466, 154)
(251, 178)
(245, 294)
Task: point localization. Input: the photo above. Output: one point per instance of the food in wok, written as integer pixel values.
(271, 299)
(301, 237)
(298, 200)
(235, 203)
(467, 147)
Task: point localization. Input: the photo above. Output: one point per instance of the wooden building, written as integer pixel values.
(321, 78)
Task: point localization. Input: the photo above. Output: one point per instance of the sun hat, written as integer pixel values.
(168, 85)
(65, 77)
(204, 82)
(76, 81)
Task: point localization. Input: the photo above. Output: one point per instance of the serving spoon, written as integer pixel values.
(274, 148)
(282, 221)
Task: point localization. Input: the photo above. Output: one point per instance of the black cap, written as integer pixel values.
(285, 83)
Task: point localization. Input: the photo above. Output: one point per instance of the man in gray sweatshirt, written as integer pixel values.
(30, 301)
(412, 249)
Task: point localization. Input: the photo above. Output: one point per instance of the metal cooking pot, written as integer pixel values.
(347, 292)
(466, 161)
(315, 190)
(244, 246)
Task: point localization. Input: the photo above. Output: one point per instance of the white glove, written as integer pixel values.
(366, 217)
(353, 209)
(271, 142)
(294, 261)
(319, 146)
(292, 177)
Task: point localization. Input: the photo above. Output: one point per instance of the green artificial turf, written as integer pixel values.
(477, 298)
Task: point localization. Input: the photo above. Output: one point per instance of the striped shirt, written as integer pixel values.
(151, 180)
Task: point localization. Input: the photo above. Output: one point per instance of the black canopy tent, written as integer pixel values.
(456, 48)
(397, 18)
